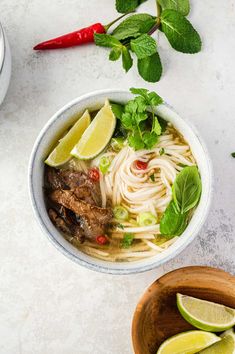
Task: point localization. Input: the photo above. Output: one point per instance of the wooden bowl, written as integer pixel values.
(157, 318)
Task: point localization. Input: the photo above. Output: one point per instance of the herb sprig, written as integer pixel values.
(138, 119)
(133, 36)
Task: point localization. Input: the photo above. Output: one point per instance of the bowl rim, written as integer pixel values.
(2, 47)
(98, 267)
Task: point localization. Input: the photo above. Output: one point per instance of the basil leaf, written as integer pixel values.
(187, 189)
(106, 40)
(115, 54)
(143, 46)
(233, 154)
(180, 33)
(150, 68)
(182, 6)
(127, 61)
(173, 224)
(124, 6)
(134, 26)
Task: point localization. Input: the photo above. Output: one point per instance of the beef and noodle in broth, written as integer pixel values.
(131, 197)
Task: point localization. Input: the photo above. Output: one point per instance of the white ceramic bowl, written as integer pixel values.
(62, 120)
(5, 64)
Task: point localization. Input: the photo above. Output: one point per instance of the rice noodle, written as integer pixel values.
(125, 185)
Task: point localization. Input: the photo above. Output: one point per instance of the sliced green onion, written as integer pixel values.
(146, 219)
(127, 241)
(120, 213)
(117, 144)
(104, 164)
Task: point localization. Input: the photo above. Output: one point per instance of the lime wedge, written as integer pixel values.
(188, 343)
(61, 153)
(97, 135)
(205, 315)
(225, 346)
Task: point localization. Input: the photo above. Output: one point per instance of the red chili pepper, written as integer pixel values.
(141, 165)
(79, 37)
(101, 240)
(94, 174)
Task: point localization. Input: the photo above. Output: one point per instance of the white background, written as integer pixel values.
(49, 305)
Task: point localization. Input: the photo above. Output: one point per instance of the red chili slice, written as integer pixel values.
(94, 174)
(141, 165)
(101, 240)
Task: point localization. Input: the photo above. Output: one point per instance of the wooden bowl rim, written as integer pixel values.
(148, 294)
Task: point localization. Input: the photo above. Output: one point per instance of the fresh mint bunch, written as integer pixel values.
(133, 36)
(138, 119)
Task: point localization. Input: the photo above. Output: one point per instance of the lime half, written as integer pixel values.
(225, 346)
(97, 135)
(205, 315)
(188, 343)
(61, 153)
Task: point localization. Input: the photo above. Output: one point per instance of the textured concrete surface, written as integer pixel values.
(48, 305)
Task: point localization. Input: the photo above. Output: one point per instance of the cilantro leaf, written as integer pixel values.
(139, 91)
(135, 141)
(141, 104)
(139, 117)
(154, 99)
(134, 26)
(131, 106)
(156, 126)
(163, 123)
(182, 6)
(127, 60)
(179, 32)
(115, 54)
(117, 109)
(127, 240)
(143, 46)
(150, 68)
(150, 139)
(127, 121)
(106, 40)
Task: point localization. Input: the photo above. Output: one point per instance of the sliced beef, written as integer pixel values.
(93, 218)
(65, 224)
(64, 179)
(77, 180)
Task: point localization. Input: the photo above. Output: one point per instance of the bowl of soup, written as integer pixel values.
(119, 183)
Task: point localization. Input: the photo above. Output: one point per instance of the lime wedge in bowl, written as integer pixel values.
(97, 135)
(205, 315)
(190, 342)
(61, 153)
(225, 346)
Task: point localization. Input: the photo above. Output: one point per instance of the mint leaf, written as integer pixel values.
(134, 26)
(182, 6)
(187, 189)
(124, 6)
(127, 240)
(156, 126)
(150, 68)
(127, 61)
(173, 224)
(106, 40)
(150, 139)
(115, 54)
(135, 141)
(179, 32)
(143, 46)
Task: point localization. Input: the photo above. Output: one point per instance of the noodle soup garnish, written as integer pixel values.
(137, 196)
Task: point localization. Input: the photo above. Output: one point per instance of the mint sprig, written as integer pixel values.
(133, 36)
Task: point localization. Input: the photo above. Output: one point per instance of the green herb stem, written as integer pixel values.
(116, 20)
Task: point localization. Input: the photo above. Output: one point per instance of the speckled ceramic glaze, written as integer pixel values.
(60, 121)
(5, 64)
